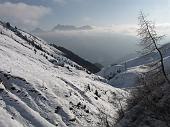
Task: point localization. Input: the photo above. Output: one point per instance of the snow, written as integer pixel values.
(38, 93)
(5, 116)
(167, 64)
(127, 73)
(111, 71)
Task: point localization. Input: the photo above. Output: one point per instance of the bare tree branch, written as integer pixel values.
(149, 39)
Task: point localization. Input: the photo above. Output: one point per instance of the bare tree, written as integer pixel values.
(150, 38)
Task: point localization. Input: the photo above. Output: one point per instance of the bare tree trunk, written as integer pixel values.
(162, 66)
(156, 47)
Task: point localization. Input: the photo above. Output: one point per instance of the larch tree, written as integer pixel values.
(150, 39)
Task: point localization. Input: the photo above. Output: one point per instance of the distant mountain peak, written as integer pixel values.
(86, 27)
(37, 30)
(71, 27)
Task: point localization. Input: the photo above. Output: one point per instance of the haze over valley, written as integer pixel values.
(84, 63)
(96, 45)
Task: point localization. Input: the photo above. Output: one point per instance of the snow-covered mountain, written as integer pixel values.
(127, 73)
(148, 104)
(39, 87)
(92, 68)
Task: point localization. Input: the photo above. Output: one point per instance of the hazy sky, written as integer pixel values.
(47, 13)
(114, 23)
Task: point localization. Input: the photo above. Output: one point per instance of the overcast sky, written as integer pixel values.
(48, 13)
(114, 23)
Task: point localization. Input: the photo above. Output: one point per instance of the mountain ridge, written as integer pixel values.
(71, 27)
(84, 63)
(41, 87)
(133, 68)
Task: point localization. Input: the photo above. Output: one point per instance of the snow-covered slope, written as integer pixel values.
(127, 73)
(41, 88)
(148, 105)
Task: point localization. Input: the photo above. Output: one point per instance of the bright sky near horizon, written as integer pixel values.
(114, 23)
(48, 13)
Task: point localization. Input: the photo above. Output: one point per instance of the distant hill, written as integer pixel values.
(72, 56)
(71, 27)
(37, 30)
(126, 73)
(99, 65)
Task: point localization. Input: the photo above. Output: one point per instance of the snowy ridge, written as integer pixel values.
(127, 73)
(41, 88)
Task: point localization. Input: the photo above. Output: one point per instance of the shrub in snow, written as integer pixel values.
(8, 25)
(35, 51)
(13, 88)
(88, 87)
(96, 98)
(72, 120)
(97, 94)
(57, 109)
(87, 111)
(150, 100)
(78, 105)
(71, 108)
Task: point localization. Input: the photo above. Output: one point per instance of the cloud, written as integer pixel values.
(87, 19)
(163, 28)
(63, 2)
(126, 29)
(122, 29)
(23, 14)
(60, 1)
(131, 29)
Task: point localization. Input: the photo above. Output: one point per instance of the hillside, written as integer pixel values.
(128, 72)
(148, 104)
(40, 87)
(77, 59)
